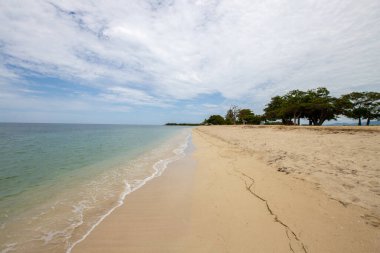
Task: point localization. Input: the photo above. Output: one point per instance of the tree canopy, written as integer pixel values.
(314, 105)
(358, 105)
(232, 115)
(276, 109)
(246, 116)
(215, 120)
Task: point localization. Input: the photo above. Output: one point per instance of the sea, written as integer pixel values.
(59, 181)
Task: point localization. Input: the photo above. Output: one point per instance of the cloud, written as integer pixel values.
(131, 96)
(158, 51)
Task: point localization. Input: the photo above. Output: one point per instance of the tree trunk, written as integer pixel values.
(360, 121)
(321, 120)
(299, 121)
(310, 122)
(368, 121)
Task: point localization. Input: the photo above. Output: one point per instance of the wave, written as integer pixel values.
(158, 167)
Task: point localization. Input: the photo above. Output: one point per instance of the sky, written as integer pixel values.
(157, 61)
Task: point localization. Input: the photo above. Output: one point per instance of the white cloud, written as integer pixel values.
(130, 96)
(210, 106)
(180, 49)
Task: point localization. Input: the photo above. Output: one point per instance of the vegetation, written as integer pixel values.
(315, 105)
(358, 105)
(232, 115)
(215, 120)
(246, 116)
(235, 116)
(182, 124)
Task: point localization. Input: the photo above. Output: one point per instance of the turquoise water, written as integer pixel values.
(58, 180)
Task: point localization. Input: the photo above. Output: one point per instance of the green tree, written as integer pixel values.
(294, 105)
(316, 105)
(246, 116)
(319, 106)
(215, 120)
(276, 109)
(232, 115)
(361, 105)
(243, 115)
(373, 107)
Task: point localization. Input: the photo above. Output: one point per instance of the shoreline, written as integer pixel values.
(82, 199)
(147, 211)
(159, 168)
(235, 201)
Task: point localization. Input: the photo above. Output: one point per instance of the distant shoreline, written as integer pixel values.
(182, 124)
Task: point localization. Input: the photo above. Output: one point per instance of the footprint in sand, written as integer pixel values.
(371, 220)
(374, 183)
(355, 199)
(348, 186)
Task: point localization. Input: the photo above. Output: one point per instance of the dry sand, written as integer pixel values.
(256, 189)
(342, 161)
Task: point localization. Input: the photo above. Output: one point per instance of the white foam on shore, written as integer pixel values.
(159, 167)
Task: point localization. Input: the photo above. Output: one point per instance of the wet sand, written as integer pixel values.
(152, 219)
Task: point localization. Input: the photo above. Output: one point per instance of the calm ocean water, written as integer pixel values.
(58, 181)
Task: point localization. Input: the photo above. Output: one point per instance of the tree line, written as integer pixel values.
(182, 124)
(314, 105)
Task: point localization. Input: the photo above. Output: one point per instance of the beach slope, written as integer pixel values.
(273, 189)
(256, 189)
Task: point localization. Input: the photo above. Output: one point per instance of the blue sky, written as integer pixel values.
(157, 61)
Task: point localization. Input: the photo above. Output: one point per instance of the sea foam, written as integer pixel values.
(74, 177)
(159, 167)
